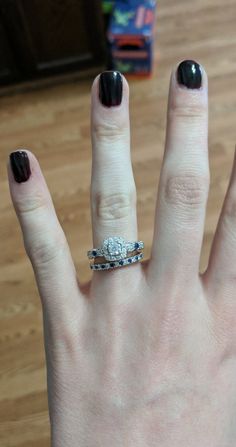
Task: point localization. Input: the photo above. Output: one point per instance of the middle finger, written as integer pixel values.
(184, 179)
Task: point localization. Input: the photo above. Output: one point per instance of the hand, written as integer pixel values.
(143, 355)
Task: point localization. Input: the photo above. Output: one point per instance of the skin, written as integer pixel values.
(143, 355)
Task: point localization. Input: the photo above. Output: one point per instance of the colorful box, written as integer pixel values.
(131, 36)
(107, 6)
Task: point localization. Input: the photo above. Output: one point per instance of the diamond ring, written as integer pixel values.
(115, 248)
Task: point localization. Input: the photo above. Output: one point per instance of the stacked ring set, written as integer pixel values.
(115, 252)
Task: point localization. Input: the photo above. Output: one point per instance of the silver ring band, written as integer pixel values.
(115, 248)
(116, 264)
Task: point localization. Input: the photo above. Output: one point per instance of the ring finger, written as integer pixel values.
(113, 191)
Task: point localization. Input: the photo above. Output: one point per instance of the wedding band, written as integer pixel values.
(115, 248)
(115, 264)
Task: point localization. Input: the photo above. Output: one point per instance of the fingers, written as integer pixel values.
(221, 269)
(43, 236)
(113, 192)
(184, 179)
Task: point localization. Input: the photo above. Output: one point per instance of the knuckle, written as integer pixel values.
(186, 190)
(114, 206)
(187, 111)
(32, 204)
(109, 131)
(46, 248)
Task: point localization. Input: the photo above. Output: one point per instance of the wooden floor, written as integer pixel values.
(54, 123)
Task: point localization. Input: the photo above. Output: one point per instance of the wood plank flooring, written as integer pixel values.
(54, 123)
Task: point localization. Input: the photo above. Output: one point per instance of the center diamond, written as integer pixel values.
(114, 248)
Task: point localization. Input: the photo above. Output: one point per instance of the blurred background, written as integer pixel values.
(50, 51)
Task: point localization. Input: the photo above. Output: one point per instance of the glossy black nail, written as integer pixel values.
(20, 166)
(110, 88)
(189, 74)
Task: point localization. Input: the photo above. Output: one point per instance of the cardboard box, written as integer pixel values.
(131, 36)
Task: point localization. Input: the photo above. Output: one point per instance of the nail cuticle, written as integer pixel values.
(194, 91)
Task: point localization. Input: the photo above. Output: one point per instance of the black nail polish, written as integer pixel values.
(189, 74)
(20, 166)
(110, 88)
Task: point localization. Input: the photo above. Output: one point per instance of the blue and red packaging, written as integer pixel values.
(131, 36)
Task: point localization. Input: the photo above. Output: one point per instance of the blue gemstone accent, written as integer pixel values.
(94, 253)
(112, 264)
(129, 260)
(103, 266)
(136, 257)
(96, 267)
(121, 262)
(136, 245)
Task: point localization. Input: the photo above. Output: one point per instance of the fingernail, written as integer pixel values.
(20, 166)
(189, 74)
(110, 88)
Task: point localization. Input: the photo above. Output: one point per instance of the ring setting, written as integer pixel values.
(115, 250)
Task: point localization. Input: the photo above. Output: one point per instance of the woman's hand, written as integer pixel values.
(143, 355)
